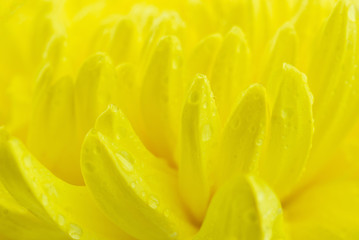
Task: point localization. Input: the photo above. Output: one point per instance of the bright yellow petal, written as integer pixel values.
(334, 83)
(199, 134)
(70, 208)
(136, 190)
(124, 42)
(243, 135)
(245, 208)
(169, 23)
(230, 71)
(325, 211)
(203, 56)
(291, 131)
(93, 90)
(161, 103)
(52, 132)
(283, 49)
(17, 223)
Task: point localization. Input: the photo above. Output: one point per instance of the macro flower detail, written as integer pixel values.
(179, 120)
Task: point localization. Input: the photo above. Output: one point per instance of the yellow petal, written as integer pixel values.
(70, 208)
(136, 190)
(169, 23)
(128, 93)
(334, 84)
(245, 208)
(17, 223)
(124, 45)
(291, 131)
(331, 212)
(282, 49)
(93, 90)
(230, 71)
(203, 56)
(243, 135)
(199, 134)
(52, 130)
(160, 101)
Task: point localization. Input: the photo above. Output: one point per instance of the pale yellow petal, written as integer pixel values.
(245, 208)
(135, 189)
(291, 131)
(199, 135)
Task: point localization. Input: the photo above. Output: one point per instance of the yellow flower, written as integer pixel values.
(179, 119)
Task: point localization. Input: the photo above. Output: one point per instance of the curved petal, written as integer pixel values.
(291, 131)
(334, 81)
(17, 223)
(71, 208)
(199, 134)
(283, 49)
(245, 208)
(52, 131)
(243, 136)
(230, 72)
(331, 212)
(161, 97)
(94, 90)
(203, 56)
(136, 190)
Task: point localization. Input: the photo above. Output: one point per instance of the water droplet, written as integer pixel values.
(194, 97)
(259, 142)
(89, 167)
(166, 212)
(251, 216)
(283, 114)
(153, 202)
(61, 220)
(126, 160)
(27, 161)
(44, 200)
(205, 105)
(133, 184)
(143, 195)
(207, 132)
(174, 235)
(51, 190)
(75, 231)
(351, 13)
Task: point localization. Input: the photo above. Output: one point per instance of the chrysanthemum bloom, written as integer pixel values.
(218, 119)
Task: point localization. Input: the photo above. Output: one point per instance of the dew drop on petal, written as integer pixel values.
(207, 132)
(153, 202)
(75, 231)
(126, 160)
(44, 200)
(61, 220)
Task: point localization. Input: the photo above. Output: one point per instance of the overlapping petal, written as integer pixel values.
(71, 209)
(291, 131)
(199, 136)
(135, 189)
(245, 208)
